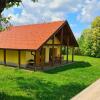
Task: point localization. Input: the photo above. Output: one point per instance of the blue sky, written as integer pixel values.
(79, 13)
(77, 26)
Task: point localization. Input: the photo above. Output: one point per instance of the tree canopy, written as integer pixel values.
(89, 41)
(9, 3)
(96, 22)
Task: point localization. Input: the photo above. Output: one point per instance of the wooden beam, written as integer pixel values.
(42, 55)
(67, 48)
(53, 51)
(54, 44)
(4, 56)
(35, 61)
(61, 45)
(19, 58)
(67, 54)
(72, 54)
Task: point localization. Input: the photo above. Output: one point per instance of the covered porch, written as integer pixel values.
(46, 60)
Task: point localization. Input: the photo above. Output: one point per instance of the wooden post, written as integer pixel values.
(67, 55)
(34, 61)
(61, 46)
(72, 54)
(19, 58)
(4, 56)
(53, 51)
(67, 48)
(42, 59)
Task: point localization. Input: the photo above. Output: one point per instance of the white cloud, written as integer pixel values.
(52, 10)
(89, 10)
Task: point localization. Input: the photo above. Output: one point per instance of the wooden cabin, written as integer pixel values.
(36, 45)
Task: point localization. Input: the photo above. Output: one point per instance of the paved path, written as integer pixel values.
(90, 93)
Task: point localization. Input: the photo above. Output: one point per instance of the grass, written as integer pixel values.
(57, 84)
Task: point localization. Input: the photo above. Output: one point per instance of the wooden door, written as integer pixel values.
(51, 54)
(42, 60)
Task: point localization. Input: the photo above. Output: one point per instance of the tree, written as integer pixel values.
(89, 41)
(95, 48)
(85, 42)
(7, 4)
(95, 27)
(96, 22)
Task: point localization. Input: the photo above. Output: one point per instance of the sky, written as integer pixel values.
(78, 13)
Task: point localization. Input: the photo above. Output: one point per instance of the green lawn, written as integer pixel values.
(57, 84)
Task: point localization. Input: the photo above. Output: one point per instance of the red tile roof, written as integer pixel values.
(28, 36)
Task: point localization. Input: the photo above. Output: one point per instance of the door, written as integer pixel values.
(51, 54)
(42, 54)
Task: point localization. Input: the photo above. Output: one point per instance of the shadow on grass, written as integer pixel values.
(37, 89)
(75, 65)
(44, 90)
(4, 96)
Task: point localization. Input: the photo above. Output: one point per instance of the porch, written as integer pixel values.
(45, 59)
(47, 66)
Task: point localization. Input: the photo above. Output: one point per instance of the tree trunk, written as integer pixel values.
(2, 6)
(0, 22)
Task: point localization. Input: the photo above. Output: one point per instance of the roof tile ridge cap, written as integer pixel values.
(38, 24)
